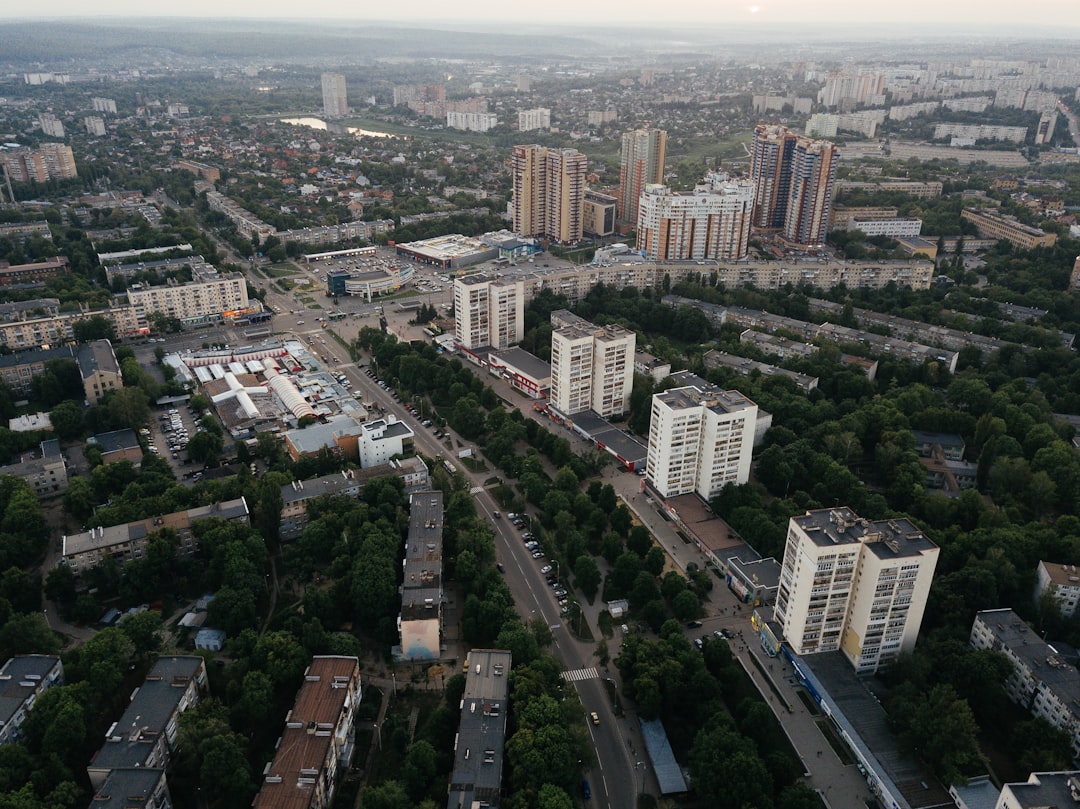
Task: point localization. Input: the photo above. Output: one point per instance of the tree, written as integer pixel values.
(205, 448)
(387, 795)
(686, 605)
(27, 634)
(255, 704)
(67, 420)
(419, 768)
(143, 629)
(587, 576)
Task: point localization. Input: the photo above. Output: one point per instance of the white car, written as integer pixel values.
(545, 569)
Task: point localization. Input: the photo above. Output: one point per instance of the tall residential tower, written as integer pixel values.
(335, 101)
(854, 585)
(712, 222)
(549, 193)
(793, 177)
(641, 164)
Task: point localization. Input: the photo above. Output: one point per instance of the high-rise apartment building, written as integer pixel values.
(489, 311)
(793, 177)
(712, 222)
(592, 367)
(641, 163)
(539, 118)
(49, 161)
(549, 192)
(700, 440)
(51, 126)
(95, 125)
(335, 100)
(854, 585)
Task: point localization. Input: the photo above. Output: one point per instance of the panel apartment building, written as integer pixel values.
(420, 619)
(476, 778)
(24, 678)
(712, 222)
(489, 311)
(317, 743)
(549, 193)
(335, 98)
(592, 367)
(208, 295)
(700, 439)
(854, 585)
(992, 224)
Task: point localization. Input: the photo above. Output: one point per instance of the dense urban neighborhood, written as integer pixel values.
(395, 418)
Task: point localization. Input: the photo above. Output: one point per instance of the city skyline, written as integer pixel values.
(1056, 15)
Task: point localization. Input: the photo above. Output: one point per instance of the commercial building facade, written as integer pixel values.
(854, 585)
(700, 439)
(598, 213)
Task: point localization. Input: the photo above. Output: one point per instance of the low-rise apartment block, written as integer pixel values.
(854, 585)
(746, 367)
(246, 222)
(100, 370)
(23, 679)
(476, 777)
(700, 439)
(131, 788)
(44, 470)
(33, 274)
(146, 733)
(86, 550)
(1063, 582)
(648, 365)
(19, 369)
(995, 225)
(1042, 681)
(420, 620)
(317, 743)
(296, 496)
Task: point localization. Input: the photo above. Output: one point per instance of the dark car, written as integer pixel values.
(586, 790)
(500, 568)
(693, 624)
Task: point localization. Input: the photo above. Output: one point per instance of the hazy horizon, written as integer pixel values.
(1053, 15)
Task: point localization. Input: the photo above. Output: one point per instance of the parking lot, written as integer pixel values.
(170, 432)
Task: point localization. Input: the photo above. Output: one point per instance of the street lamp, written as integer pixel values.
(640, 767)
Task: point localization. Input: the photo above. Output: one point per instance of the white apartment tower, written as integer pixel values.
(712, 222)
(700, 440)
(335, 100)
(51, 126)
(592, 367)
(854, 585)
(539, 118)
(489, 311)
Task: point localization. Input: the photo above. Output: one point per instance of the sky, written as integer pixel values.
(1052, 14)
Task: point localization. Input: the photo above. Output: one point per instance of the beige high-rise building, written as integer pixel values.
(641, 163)
(854, 585)
(712, 222)
(488, 311)
(49, 161)
(592, 367)
(549, 193)
(335, 99)
(700, 440)
(51, 126)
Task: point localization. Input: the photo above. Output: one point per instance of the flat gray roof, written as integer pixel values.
(522, 360)
(893, 538)
(126, 787)
(132, 738)
(20, 677)
(421, 589)
(478, 755)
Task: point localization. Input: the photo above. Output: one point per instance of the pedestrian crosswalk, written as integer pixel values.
(580, 674)
(476, 490)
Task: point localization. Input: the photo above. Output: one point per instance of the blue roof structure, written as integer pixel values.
(668, 774)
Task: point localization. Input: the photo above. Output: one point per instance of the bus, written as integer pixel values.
(337, 315)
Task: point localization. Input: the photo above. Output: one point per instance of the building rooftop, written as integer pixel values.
(97, 355)
(315, 437)
(37, 356)
(478, 756)
(525, 362)
(20, 677)
(116, 441)
(133, 737)
(712, 397)
(106, 537)
(421, 589)
(1062, 575)
(127, 788)
(1046, 789)
(885, 538)
(327, 693)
